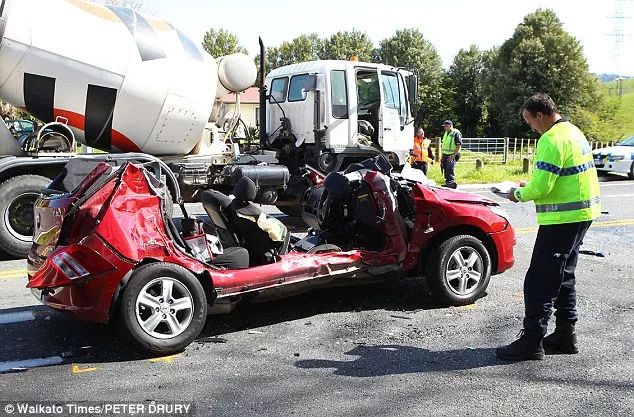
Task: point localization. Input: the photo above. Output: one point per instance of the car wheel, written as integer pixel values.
(16, 207)
(458, 270)
(163, 307)
(631, 173)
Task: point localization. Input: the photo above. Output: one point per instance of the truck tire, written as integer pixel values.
(458, 271)
(631, 173)
(16, 208)
(146, 309)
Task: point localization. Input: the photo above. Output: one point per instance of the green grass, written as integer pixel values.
(466, 173)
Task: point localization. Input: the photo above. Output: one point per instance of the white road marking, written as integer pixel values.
(18, 317)
(30, 363)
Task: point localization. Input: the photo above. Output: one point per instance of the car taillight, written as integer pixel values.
(69, 266)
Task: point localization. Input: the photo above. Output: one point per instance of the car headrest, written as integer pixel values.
(245, 190)
(337, 183)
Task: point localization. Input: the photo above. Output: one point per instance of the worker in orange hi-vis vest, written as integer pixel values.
(421, 154)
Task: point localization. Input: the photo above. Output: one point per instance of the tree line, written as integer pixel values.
(482, 90)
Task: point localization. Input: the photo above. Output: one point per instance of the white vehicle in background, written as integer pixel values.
(618, 158)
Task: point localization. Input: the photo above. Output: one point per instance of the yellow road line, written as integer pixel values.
(611, 223)
(77, 370)
(166, 359)
(15, 273)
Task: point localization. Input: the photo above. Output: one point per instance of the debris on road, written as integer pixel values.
(592, 253)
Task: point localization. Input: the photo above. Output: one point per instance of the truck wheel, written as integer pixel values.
(631, 173)
(163, 307)
(16, 207)
(458, 271)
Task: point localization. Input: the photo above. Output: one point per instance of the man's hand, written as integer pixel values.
(450, 158)
(511, 195)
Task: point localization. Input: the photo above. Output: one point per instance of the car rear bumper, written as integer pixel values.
(87, 296)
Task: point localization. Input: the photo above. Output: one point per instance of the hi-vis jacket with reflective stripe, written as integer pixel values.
(564, 184)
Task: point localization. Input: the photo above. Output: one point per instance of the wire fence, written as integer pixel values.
(503, 150)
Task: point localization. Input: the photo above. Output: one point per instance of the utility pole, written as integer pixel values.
(618, 34)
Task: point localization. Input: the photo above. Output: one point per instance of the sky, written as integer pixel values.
(449, 24)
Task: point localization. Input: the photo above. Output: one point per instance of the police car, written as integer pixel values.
(618, 158)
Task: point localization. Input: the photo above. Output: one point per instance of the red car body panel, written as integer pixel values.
(79, 266)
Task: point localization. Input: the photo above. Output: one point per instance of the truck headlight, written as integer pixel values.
(616, 157)
(500, 212)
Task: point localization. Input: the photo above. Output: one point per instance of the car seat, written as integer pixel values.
(243, 216)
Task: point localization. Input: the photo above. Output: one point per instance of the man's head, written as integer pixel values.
(447, 125)
(420, 132)
(540, 112)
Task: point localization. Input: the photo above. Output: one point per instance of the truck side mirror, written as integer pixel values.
(412, 88)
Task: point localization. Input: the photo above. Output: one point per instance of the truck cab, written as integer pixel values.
(333, 113)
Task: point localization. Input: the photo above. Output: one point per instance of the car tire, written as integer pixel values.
(149, 295)
(452, 267)
(16, 208)
(631, 173)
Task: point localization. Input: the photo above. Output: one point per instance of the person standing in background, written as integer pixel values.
(421, 153)
(451, 145)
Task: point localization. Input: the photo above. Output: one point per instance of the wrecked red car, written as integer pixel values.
(107, 251)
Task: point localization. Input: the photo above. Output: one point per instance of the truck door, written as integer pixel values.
(390, 119)
(300, 108)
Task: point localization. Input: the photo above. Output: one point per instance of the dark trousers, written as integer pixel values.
(448, 170)
(550, 279)
(423, 166)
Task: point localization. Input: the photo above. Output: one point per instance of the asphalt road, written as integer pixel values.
(372, 350)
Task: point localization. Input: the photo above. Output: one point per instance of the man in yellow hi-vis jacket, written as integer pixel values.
(565, 189)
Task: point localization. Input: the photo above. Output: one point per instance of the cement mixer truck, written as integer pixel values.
(137, 88)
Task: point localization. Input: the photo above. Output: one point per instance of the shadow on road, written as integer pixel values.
(405, 295)
(383, 360)
(30, 334)
(36, 332)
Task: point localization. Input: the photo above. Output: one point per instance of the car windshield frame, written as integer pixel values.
(627, 142)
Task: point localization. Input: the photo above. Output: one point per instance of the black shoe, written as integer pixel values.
(523, 349)
(562, 341)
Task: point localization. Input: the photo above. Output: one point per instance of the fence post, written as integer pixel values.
(506, 150)
(438, 150)
(525, 165)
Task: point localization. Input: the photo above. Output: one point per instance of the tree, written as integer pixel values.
(301, 49)
(344, 44)
(540, 57)
(409, 49)
(466, 81)
(221, 42)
